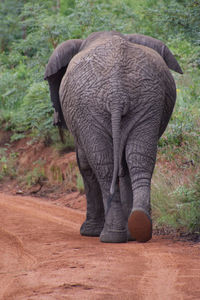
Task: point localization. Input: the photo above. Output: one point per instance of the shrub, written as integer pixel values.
(8, 164)
(177, 208)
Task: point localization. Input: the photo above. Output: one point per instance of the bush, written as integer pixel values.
(35, 113)
(8, 164)
(178, 209)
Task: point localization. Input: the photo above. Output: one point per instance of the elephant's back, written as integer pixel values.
(111, 63)
(107, 69)
(96, 72)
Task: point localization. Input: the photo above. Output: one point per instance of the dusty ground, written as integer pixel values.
(42, 256)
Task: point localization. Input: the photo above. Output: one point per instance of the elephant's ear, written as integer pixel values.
(61, 56)
(55, 71)
(158, 46)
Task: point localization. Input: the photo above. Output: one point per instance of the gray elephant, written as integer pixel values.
(116, 94)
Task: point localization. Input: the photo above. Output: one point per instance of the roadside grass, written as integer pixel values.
(36, 175)
(79, 183)
(176, 179)
(68, 141)
(8, 164)
(176, 206)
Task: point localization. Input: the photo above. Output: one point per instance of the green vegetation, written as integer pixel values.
(176, 206)
(7, 164)
(79, 183)
(35, 176)
(29, 31)
(70, 177)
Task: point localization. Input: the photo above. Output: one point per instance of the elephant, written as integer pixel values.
(115, 94)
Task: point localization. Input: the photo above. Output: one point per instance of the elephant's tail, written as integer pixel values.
(116, 134)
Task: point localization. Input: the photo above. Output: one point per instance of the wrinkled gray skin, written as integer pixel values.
(116, 94)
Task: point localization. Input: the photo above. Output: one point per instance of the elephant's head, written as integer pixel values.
(62, 55)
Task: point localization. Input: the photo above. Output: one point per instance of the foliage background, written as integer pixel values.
(29, 31)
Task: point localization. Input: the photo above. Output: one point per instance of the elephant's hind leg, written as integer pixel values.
(141, 152)
(100, 160)
(94, 222)
(115, 227)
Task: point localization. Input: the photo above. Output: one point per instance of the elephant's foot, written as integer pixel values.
(115, 229)
(113, 236)
(92, 228)
(140, 225)
(116, 237)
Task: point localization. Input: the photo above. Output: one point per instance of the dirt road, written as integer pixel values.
(42, 256)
